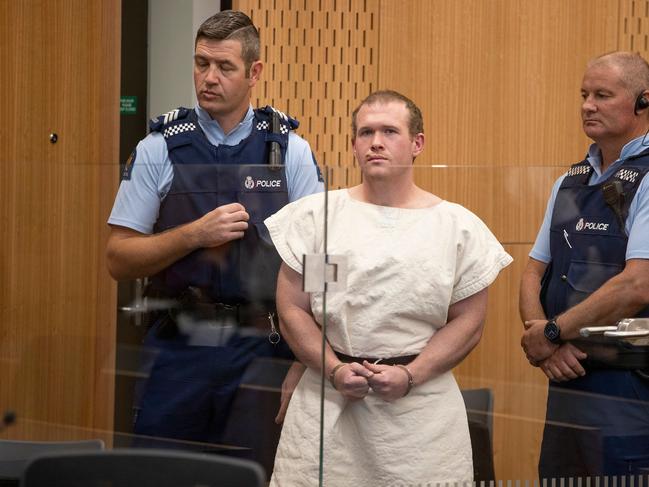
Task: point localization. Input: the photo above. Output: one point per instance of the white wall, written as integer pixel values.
(203, 9)
(172, 26)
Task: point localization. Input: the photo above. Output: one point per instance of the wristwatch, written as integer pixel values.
(552, 331)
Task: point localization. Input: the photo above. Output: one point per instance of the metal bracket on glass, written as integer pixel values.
(631, 330)
(148, 304)
(142, 304)
(324, 273)
(139, 304)
(589, 331)
(634, 331)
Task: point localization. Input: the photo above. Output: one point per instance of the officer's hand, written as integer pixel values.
(387, 381)
(219, 226)
(351, 381)
(537, 348)
(564, 364)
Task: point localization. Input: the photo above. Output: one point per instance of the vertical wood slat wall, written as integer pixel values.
(498, 83)
(633, 32)
(60, 73)
(320, 58)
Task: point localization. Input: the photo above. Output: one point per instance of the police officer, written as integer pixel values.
(590, 266)
(189, 215)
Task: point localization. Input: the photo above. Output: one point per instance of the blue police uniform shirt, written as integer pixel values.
(138, 200)
(637, 223)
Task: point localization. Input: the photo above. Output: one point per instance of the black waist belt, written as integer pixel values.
(243, 315)
(198, 305)
(403, 360)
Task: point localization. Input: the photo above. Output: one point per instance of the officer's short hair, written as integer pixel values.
(416, 121)
(233, 25)
(634, 69)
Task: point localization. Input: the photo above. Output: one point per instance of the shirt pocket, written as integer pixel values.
(587, 277)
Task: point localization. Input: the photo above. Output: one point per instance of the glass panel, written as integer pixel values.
(211, 370)
(197, 362)
(394, 260)
(63, 372)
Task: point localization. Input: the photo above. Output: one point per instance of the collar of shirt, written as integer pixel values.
(594, 158)
(214, 132)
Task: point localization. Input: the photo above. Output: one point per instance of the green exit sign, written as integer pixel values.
(128, 105)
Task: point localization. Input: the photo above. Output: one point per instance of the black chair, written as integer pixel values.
(134, 467)
(479, 409)
(15, 455)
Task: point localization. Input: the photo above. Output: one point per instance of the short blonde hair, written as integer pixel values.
(415, 122)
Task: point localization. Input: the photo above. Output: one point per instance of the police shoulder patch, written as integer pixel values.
(128, 166)
(178, 129)
(579, 169)
(156, 124)
(630, 175)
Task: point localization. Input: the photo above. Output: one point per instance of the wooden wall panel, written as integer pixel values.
(510, 200)
(321, 60)
(60, 74)
(633, 31)
(498, 81)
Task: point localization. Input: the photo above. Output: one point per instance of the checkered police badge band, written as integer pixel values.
(178, 129)
(627, 175)
(265, 126)
(577, 170)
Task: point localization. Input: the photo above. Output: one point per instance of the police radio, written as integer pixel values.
(614, 196)
(275, 154)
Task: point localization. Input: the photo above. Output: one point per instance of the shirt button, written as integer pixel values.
(564, 277)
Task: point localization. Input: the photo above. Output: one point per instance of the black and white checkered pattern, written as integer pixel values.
(265, 126)
(178, 129)
(577, 170)
(627, 175)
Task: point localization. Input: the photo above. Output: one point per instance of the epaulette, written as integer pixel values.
(287, 121)
(578, 174)
(629, 175)
(579, 169)
(156, 124)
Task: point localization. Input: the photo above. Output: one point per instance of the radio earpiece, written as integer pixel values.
(640, 103)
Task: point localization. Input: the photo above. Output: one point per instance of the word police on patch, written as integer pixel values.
(250, 183)
(584, 225)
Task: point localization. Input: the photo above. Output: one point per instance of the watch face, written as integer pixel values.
(552, 331)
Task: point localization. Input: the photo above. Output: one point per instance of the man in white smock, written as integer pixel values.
(418, 272)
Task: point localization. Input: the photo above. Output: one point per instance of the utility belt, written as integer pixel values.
(402, 360)
(193, 309)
